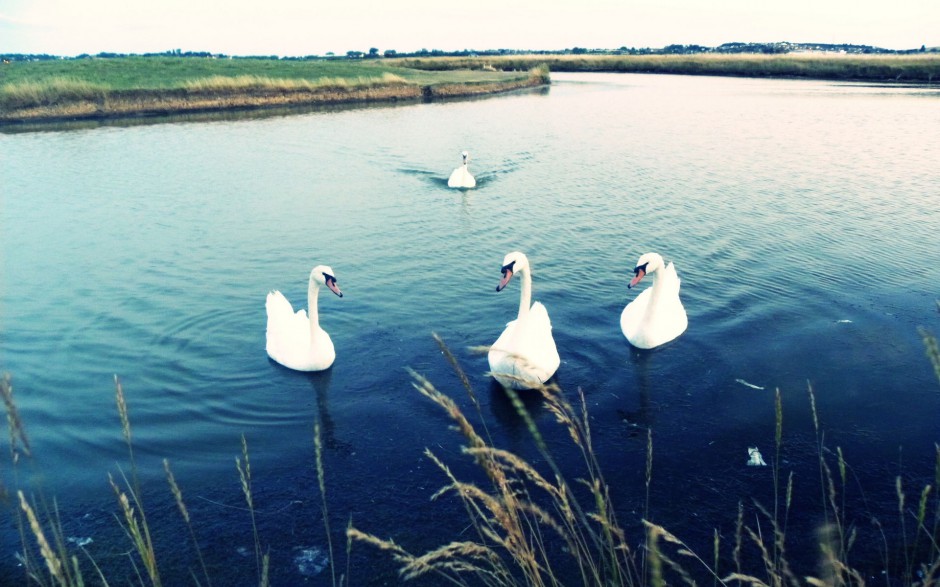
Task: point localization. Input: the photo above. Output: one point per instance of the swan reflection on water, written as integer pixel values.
(510, 421)
(320, 381)
(641, 418)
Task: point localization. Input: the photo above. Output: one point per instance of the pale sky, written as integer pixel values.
(315, 27)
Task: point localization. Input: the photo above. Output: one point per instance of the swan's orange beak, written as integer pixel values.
(639, 275)
(507, 275)
(331, 283)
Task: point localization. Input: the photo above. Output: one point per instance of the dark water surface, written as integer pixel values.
(801, 216)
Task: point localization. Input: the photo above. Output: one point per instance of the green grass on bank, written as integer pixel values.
(57, 83)
(167, 73)
(156, 73)
(921, 68)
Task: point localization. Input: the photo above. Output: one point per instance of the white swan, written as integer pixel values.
(656, 316)
(461, 178)
(524, 356)
(296, 340)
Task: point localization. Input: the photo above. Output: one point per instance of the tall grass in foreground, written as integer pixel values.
(522, 514)
(532, 527)
(53, 562)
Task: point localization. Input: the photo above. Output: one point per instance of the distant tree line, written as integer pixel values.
(373, 52)
(784, 47)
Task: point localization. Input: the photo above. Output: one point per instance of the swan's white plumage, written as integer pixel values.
(460, 177)
(656, 316)
(524, 356)
(295, 339)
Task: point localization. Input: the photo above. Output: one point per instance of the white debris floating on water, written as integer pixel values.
(751, 385)
(79, 541)
(310, 561)
(755, 460)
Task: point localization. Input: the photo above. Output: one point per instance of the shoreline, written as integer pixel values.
(106, 89)
(130, 104)
(901, 69)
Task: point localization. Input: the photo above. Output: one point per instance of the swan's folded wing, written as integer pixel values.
(634, 312)
(671, 279)
(277, 306)
(285, 329)
(538, 318)
(538, 342)
(676, 310)
(504, 342)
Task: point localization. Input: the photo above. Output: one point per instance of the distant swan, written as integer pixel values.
(294, 340)
(461, 178)
(656, 316)
(524, 356)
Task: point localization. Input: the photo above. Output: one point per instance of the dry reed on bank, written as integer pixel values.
(252, 83)
(877, 68)
(52, 91)
(61, 92)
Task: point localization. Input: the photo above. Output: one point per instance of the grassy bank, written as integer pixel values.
(94, 88)
(135, 86)
(924, 68)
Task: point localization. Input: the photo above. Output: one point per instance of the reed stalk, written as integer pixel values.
(509, 519)
(899, 488)
(778, 441)
(18, 439)
(716, 555)
(135, 530)
(54, 564)
(244, 474)
(181, 505)
(648, 480)
(738, 538)
(321, 481)
(134, 515)
(936, 516)
(932, 349)
(464, 380)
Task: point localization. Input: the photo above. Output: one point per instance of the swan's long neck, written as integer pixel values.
(525, 295)
(656, 295)
(313, 292)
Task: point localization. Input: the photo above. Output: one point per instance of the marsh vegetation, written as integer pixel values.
(916, 68)
(100, 88)
(125, 86)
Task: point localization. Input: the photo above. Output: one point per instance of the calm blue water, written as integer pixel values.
(801, 216)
